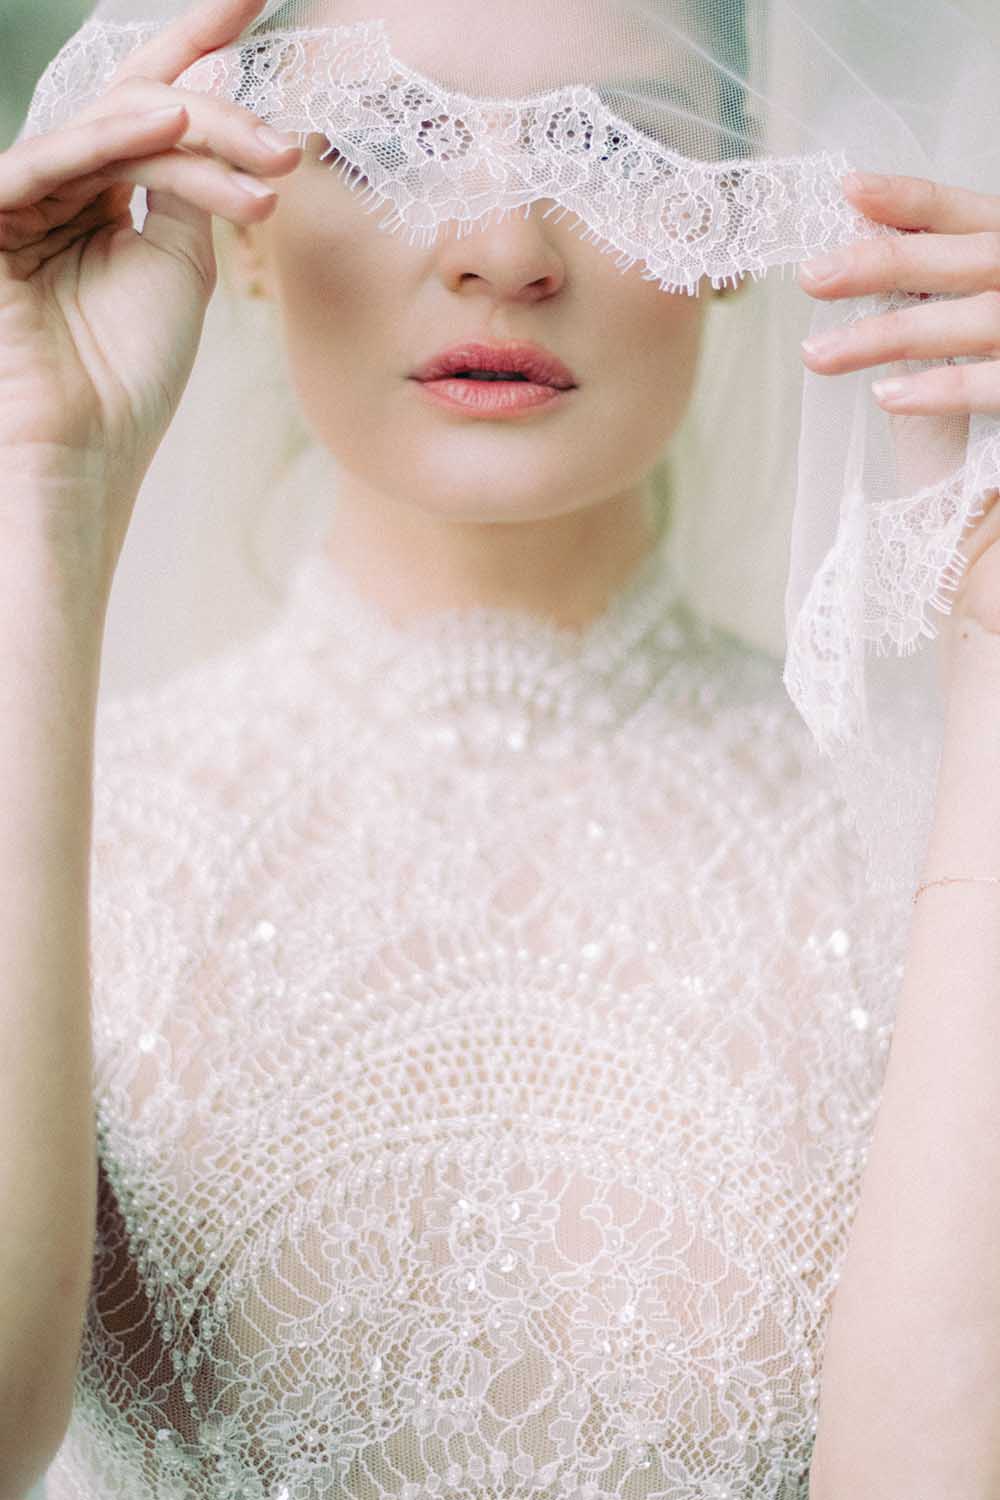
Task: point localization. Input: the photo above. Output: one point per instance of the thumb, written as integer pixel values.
(183, 231)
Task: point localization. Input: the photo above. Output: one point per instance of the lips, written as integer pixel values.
(505, 363)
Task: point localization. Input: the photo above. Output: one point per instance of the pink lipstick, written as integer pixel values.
(495, 380)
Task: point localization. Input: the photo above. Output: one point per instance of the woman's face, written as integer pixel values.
(364, 310)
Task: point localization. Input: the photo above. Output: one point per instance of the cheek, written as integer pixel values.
(325, 295)
(652, 341)
(357, 302)
(337, 292)
(663, 336)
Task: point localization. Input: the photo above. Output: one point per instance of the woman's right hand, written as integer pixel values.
(100, 325)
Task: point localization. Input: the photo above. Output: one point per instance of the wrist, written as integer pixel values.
(54, 535)
(52, 574)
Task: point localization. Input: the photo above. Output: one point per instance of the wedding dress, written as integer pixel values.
(489, 1027)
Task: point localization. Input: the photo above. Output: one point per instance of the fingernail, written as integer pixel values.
(823, 268)
(892, 390)
(252, 186)
(274, 140)
(822, 344)
(866, 182)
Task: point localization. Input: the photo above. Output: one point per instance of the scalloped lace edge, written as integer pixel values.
(681, 219)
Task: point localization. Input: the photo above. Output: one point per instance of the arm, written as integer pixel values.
(51, 627)
(909, 1404)
(910, 1390)
(80, 421)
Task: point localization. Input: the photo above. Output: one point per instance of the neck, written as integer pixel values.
(564, 568)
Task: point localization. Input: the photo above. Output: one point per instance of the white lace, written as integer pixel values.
(489, 1025)
(882, 589)
(426, 155)
(423, 156)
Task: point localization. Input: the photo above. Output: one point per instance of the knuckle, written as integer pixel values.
(135, 85)
(897, 328)
(886, 260)
(206, 271)
(201, 264)
(99, 133)
(959, 381)
(96, 127)
(929, 193)
(208, 275)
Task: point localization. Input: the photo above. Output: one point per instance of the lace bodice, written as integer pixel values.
(489, 1026)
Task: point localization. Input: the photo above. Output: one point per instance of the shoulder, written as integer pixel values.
(172, 766)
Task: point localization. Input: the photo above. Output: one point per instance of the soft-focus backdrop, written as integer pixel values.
(30, 32)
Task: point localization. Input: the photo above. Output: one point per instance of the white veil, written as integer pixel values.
(802, 517)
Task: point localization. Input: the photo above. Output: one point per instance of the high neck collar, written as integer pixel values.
(510, 660)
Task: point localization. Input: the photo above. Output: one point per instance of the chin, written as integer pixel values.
(495, 498)
(501, 475)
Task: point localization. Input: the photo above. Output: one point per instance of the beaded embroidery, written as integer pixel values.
(489, 1028)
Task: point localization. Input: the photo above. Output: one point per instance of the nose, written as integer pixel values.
(511, 259)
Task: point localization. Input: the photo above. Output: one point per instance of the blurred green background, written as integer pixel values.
(32, 30)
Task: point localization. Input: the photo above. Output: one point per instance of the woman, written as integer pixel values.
(433, 1159)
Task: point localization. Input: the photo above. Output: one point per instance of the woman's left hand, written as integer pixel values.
(958, 252)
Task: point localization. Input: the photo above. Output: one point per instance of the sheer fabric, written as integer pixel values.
(490, 1023)
(489, 1027)
(696, 141)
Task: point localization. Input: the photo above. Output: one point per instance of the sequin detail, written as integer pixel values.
(489, 1027)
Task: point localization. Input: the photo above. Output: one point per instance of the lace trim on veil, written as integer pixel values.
(428, 156)
(424, 156)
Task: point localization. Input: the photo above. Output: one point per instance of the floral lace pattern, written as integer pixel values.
(894, 565)
(489, 1026)
(423, 155)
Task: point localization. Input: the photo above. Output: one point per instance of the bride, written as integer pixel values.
(462, 1078)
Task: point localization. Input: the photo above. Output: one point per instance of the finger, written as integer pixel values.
(919, 203)
(205, 184)
(35, 168)
(205, 27)
(966, 263)
(953, 390)
(25, 250)
(933, 330)
(214, 126)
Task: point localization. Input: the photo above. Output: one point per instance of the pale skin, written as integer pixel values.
(910, 1394)
(550, 514)
(546, 513)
